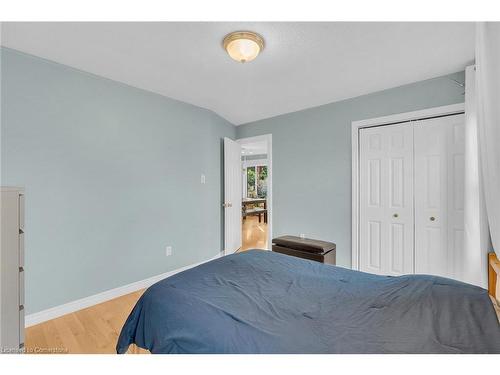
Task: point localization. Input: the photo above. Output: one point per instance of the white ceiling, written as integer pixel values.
(303, 65)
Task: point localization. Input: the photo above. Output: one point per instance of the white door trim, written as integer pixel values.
(269, 139)
(254, 163)
(380, 121)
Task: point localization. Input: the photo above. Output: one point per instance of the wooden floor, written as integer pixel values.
(96, 329)
(254, 234)
(93, 330)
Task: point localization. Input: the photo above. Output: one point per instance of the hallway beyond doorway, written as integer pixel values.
(254, 234)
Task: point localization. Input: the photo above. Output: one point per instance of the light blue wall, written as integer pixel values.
(112, 176)
(312, 157)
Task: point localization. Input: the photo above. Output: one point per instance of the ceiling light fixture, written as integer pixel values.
(243, 46)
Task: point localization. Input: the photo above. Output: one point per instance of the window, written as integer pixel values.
(256, 186)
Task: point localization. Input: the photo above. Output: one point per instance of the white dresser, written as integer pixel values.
(12, 270)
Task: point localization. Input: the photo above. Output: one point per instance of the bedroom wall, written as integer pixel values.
(312, 157)
(112, 176)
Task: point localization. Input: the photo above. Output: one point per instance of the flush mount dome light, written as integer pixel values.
(243, 46)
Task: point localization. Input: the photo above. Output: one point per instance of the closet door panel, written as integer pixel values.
(374, 244)
(397, 182)
(397, 248)
(400, 251)
(430, 197)
(373, 178)
(386, 199)
(439, 151)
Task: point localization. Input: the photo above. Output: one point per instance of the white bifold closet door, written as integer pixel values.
(411, 197)
(386, 199)
(439, 195)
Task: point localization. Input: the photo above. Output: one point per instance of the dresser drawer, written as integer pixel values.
(21, 286)
(21, 250)
(21, 327)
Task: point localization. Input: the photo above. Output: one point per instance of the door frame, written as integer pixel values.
(269, 139)
(382, 121)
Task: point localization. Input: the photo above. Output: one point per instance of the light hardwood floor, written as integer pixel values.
(95, 330)
(254, 234)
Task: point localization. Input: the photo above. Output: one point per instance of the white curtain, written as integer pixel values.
(472, 262)
(488, 121)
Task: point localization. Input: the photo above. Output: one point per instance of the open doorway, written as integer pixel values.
(256, 205)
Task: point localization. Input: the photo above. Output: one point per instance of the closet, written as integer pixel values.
(411, 197)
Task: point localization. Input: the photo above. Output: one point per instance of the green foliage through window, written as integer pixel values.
(257, 182)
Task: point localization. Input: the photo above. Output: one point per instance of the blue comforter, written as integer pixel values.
(264, 302)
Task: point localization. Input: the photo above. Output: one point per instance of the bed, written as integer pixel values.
(264, 302)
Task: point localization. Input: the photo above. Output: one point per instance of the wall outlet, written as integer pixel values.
(302, 235)
(203, 180)
(168, 251)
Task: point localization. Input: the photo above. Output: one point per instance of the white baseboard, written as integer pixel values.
(57, 311)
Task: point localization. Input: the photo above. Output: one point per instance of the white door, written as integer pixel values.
(439, 194)
(232, 196)
(386, 199)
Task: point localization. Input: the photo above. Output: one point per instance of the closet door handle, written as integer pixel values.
(395, 215)
(432, 218)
